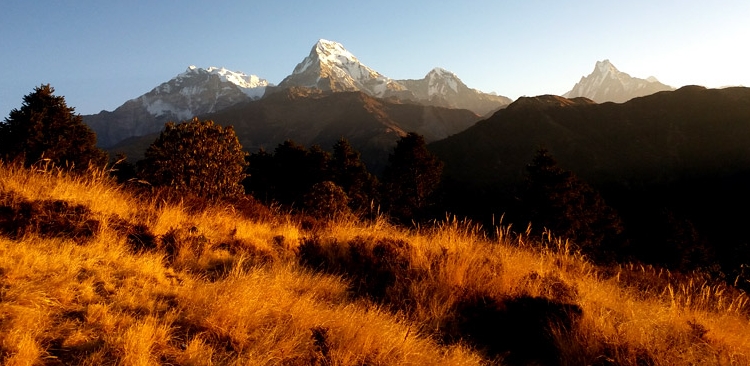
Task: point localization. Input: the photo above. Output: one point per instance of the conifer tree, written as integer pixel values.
(350, 173)
(557, 200)
(46, 128)
(260, 173)
(411, 179)
(317, 165)
(196, 157)
(291, 175)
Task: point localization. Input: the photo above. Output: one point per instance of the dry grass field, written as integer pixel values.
(93, 274)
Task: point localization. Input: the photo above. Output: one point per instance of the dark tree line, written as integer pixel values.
(292, 174)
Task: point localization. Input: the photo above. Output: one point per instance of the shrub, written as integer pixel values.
(350, 173)
(521, 330)
(196, 157)
(326, 199)
(378, 268)
(46, 218)
(556, 199)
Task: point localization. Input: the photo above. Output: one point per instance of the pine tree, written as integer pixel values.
(46, 128)
(557, 200)
(350, 173)
(411, 179)
(317, 165)
(196, 157)
(260, 173)
(291, 176)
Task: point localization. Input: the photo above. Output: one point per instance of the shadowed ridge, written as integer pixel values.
(549, 101)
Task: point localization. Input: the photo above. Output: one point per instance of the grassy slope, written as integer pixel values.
(216, 288)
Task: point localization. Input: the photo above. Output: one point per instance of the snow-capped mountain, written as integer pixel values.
(194, 92)
(330, 67)
(443, 88)
(197, 91)
(607, 84)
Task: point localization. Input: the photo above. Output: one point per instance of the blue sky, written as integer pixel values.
(98, 54)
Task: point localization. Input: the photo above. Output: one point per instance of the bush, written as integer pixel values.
(377, 268)
(196, 157)
(521, 330)
(46, 218)
(350, 173)
(326, 199)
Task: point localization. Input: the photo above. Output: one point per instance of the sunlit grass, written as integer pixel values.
(235, 291)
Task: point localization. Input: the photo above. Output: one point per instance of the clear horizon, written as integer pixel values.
(99, 55)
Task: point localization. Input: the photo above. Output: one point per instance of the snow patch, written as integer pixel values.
(251, 85)
(160, 107)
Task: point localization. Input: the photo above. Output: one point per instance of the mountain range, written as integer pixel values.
(329, 68)
(330, 94)
(654, 149)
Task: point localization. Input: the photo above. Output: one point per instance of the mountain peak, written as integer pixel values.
(438, 79)
(608, 84)
(605, 67)
(194, 92)
(440, 71)
(332, 52)
(252, 85)
(329, 66)
(324, 45)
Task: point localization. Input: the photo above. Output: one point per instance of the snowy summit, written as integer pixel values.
(251, 85)
(330, 67)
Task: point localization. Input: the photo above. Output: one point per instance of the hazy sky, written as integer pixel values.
(98, 54)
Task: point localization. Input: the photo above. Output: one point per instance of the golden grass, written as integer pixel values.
(234, 291)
